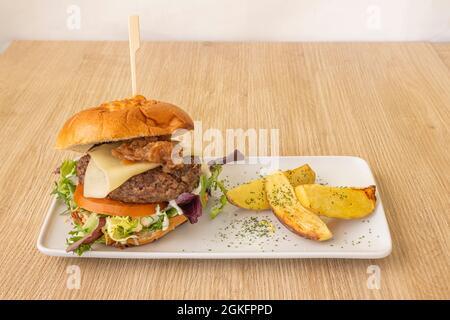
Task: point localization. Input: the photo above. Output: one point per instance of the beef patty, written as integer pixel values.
(156, 185)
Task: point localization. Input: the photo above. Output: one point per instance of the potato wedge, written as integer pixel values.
(300, 175)
(252, 195)
(334, 202)
(286, 207)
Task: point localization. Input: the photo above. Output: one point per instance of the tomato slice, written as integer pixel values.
(114, 207)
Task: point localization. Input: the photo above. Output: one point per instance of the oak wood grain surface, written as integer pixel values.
(443, 50)
(386, 102)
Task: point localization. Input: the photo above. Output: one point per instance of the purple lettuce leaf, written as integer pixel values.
(89, 238)
(191, 205)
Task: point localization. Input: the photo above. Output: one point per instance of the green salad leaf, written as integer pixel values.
(204, 181)
(82, 248)
(171, 212)
(213, 183)
(79, 231)
(157, 225)
(217, 209)
(120, 228)
(65, 187)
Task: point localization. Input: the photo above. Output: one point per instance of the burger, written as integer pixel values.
(134, 182)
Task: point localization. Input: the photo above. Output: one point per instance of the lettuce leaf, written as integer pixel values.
(65, 187)
(77, 234)
(191, 205)
(81, 231)
(121, 228)
(213, 183)
(217, 209)
(203, 190)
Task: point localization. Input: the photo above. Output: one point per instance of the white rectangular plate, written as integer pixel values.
(232, 234)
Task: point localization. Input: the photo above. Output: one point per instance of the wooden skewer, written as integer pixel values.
(135, 44)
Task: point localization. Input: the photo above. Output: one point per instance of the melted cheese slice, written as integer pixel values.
(105, 173)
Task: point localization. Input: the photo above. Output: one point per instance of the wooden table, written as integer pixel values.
(388, 103)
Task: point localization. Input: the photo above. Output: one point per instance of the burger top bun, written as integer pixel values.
(121, 120)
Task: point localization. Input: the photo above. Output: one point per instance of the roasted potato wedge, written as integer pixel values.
(334, 202)
(252, 195)
(286, 207)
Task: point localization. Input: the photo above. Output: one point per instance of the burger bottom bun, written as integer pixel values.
(152, 236)
(143, 237)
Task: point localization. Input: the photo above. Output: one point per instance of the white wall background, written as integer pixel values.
(270, 20)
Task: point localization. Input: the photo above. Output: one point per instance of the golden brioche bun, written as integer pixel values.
(121, 120)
